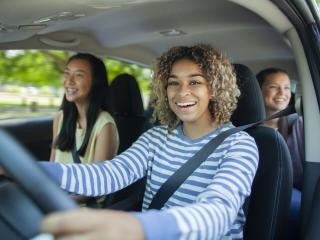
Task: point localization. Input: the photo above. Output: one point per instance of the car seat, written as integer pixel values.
(267, 208)
(127, 109)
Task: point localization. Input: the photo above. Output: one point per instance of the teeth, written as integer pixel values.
(185, 104)
(71, 90)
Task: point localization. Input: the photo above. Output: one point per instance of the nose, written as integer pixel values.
(284, 91)
(280, 90)
(184, 90)
(69, 79)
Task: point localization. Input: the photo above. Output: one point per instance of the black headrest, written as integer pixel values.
(125, 96)
(250, 104)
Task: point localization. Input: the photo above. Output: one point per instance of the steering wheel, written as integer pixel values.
(36, 184)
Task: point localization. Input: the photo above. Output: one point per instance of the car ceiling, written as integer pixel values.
(131, 29)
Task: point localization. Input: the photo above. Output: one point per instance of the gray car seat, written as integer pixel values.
(267, 208)
(127, 109)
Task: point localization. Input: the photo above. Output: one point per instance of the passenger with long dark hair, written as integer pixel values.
(276, 91)
(83, 120)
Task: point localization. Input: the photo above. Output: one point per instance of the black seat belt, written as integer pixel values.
(174, 182)
(75, 154)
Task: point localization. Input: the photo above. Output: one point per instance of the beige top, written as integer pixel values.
(66, 156)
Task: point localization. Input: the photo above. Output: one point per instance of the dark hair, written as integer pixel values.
(263, 74)
(97, 101)
(283, 124)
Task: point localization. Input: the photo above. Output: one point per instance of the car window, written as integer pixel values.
(30, 81)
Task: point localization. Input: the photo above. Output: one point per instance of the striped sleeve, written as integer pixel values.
(216, 208)
(99, 179)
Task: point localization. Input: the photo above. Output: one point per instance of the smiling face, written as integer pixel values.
(276, 91)
(188, 93)
(77, 81)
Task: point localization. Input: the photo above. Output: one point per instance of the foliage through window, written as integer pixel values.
(30, 81)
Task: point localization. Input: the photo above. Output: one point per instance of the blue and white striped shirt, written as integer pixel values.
(208, 205)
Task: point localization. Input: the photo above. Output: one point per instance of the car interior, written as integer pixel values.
(127, 109)
(274, 175)
(253, 34)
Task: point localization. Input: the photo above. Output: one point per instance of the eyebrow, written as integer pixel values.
(191, 75)
(77, 70)
(278, 84)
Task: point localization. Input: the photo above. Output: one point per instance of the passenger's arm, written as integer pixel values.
(56, 119)
(106, 143)
(98, 179)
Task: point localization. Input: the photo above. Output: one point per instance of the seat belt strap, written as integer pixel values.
(75, 155)
(175, 181)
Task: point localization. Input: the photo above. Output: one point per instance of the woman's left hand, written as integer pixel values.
(93, 224)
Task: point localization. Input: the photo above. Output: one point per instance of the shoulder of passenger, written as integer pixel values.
(104, 118)
(57, 116)
(242, 136)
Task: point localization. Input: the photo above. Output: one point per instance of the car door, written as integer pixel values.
(304, 15)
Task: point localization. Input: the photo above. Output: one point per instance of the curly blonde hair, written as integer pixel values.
(217, 70)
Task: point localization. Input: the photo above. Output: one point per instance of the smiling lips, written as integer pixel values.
(71, 91)
(280, 100)
(185, 105)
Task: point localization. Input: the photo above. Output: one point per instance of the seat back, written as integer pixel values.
(127, 109)
(267, 208)
(128, 112)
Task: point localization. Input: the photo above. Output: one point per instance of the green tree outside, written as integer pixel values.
(42, 69)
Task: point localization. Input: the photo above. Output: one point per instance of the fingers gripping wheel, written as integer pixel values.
(25, 171)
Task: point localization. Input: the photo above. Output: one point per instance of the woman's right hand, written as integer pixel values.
(93, 224)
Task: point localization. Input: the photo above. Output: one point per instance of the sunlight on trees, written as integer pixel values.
(40, 68)
(33, 78)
